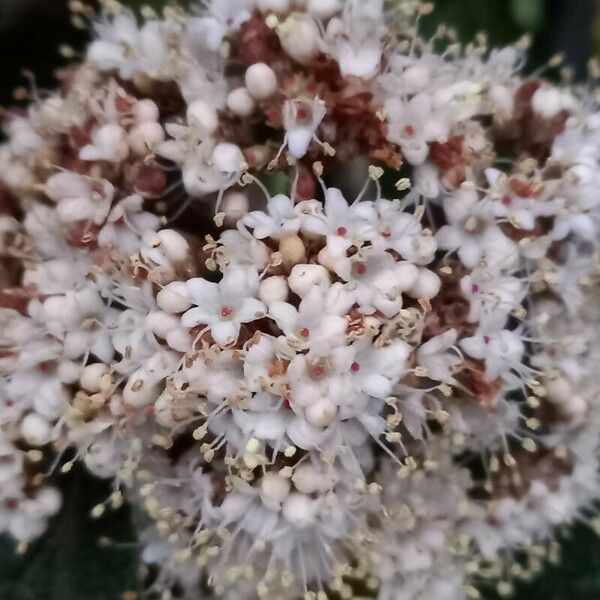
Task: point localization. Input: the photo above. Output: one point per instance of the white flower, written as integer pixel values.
(318, 321)
(344, 225)
(301, 119)
(125, 223)
(300, 37)
(222, 18)
(377, 281)
(402, 232)
(222, 307)
(414, 123)
(491, 294)
(355, 39)
(502, 351)
(79, 198)
(472, 231)
(123, 46)
(282, 218)
(439, 356)
(109, 142)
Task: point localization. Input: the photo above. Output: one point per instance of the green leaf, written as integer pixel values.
(576, 577)
(278, 183)
(69, 563)
(529, 14)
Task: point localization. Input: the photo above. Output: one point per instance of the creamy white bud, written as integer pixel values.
(299, 36)
(274, 488)
(305, 277)
(407, 275)
(235, 205)
(146, 111)
(69, 371)
(307, 479)
(146, 137)
(241, 102)
(261, 81)
(322, 413)
(427, 285)
(292, 250)
(228, 158)
(140, 390)
(35, 430)
(547, 102)
(91, 377)
(174, 298)
(203, 117)
(174, 245)
(273, 289)
(110, 143)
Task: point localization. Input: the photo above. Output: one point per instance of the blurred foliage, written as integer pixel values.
(70, 562)
(575, 577)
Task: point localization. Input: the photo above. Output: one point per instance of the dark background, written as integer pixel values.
(70, 563)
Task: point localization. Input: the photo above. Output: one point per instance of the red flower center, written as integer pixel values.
(317, 371)
(361, 268)
(342, 231)
(355, 367)
(486, 339)
(475, 288)
(409, 130)
(226, 312)
(506, 200)
(305, 332)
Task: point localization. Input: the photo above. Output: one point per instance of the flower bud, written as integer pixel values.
(146, 111)
(322, 413)
(292, 250)
(91, 377)
(305, 277)
(174, 245)
(235, 205)
(274, 488)
(261, 81)
(145, 137)
(427, 285)
(174, 298)
(35, 429)
(241, 102)
(299, 36)
(228, 158)
(273, 289)
(203, 117)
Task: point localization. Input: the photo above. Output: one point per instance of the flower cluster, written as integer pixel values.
(381, 377)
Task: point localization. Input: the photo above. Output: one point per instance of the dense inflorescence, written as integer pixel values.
(381, 380)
